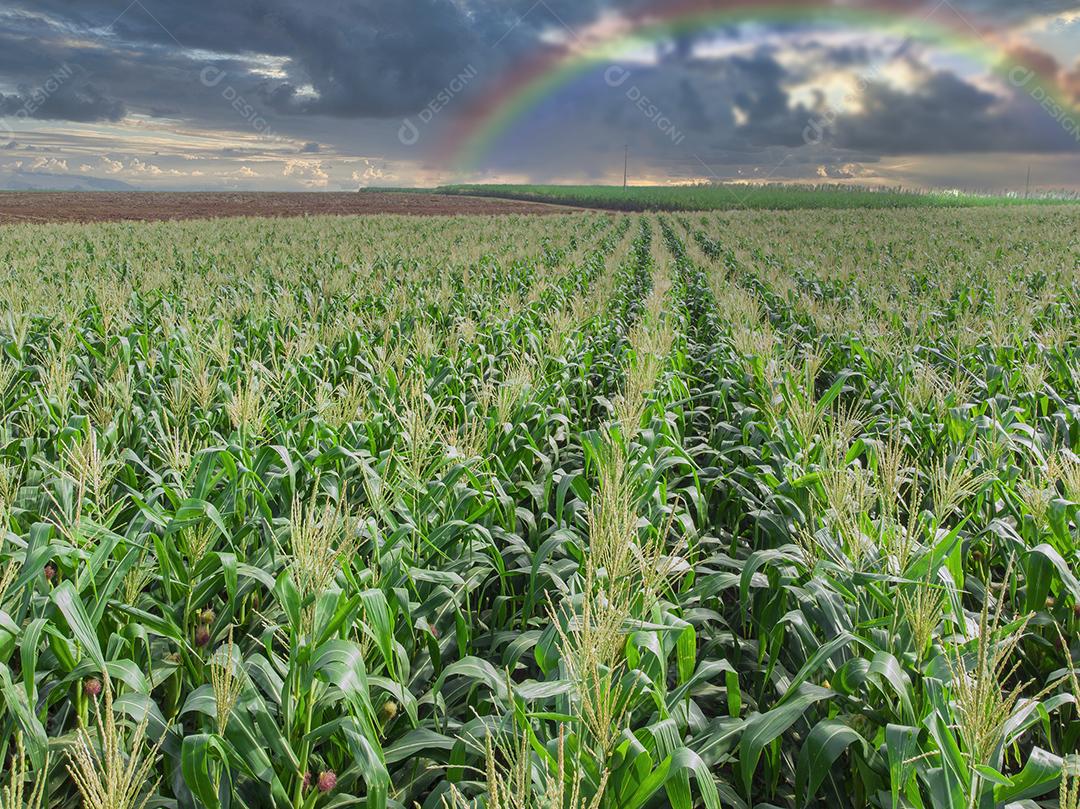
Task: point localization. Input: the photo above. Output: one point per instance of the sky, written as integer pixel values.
(330, 95)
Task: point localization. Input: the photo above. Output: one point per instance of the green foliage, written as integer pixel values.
(732, 196)
(594, 511)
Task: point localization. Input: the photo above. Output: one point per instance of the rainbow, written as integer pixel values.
(474, 134)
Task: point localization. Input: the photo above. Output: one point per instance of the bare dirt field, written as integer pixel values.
(106, 206)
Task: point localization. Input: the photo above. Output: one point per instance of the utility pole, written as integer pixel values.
(1027, 189)
(625, 165)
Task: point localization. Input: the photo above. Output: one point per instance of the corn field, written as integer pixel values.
(589, 511)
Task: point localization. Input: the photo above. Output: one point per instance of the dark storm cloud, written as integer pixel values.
(369, 58)
(691, 108)
(390, 59)
(763, 100)
(741, 119)
(315, 68)
(85, 104)
(694, 129)
(108, 76)
(945, 114)
(365, 58)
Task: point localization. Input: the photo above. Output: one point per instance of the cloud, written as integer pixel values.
(843, 171)
(1048, 69)
(49, 164)
(144, 170)
(140, 167)
(61, 96)
(135, 166)
(1041, 62)
(372, 172)
(308, 172)
(1070, 84)
(104, 165)
(1006, 10)
(363, 59)
(945, 114)
(368, 58)
(335, 79)
(764, 102)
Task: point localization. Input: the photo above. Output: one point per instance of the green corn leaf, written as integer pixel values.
(761, 729)
(204, 761)
(827, 741)
(82, 630)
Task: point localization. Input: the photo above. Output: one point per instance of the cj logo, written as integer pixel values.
(211, 76)
(616, 76)
(408, 134)
(814, 133)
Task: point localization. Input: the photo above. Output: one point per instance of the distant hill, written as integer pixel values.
(43, 181)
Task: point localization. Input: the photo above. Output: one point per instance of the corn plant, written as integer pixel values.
(594, 511)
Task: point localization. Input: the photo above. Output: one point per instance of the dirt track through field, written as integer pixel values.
(109, 206)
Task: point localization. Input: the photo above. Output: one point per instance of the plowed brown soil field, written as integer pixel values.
(107, 206)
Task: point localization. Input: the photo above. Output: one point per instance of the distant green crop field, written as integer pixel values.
(717, 197)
